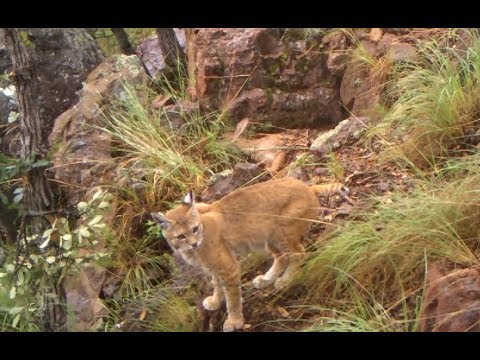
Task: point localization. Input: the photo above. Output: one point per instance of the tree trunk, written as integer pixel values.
(123, 42)
(38, 196)
(173, 55)
(63, 58)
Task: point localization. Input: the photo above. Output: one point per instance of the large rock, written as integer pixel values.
(85, 309)
(345, 133)
(362, 82)
(452, 299)
(83, 153)
(360, 89)
(257, 73)
(337, 43)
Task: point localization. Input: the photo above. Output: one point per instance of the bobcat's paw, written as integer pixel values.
(260, 282)
(233, 324)
(211, 304)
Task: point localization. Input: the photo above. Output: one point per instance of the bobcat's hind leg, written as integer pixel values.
(214, 301)
(278, 267)
(295, 256)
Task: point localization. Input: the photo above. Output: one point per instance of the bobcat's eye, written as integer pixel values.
(181, 237)
(195, 229)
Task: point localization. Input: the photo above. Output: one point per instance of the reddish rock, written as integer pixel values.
(452, 299)
(345, 133)
(178, 114)
(387, 41)
(360, 90)
(336, 44)
(402, 52)
(85, 308)
(82, 158)
(258, 74)
(396, 31)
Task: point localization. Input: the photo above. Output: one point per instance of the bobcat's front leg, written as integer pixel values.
(214, 302)
(235, 318)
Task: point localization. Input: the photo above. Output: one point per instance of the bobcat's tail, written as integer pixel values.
(330, 189)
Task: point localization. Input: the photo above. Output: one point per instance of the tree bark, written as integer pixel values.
(192, 91)
(123, 41)
(38, 195)
(173, 55)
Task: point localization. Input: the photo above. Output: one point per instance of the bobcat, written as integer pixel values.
(272, 215)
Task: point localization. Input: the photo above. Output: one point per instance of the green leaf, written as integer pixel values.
(13, 292)
(20, 278)
(67, 237)
(97, 194)
(10, 268)
(48, 232)
(13, 116)
(3, 274)
(82, 205)
(99, 226)
(66, 241)
(84, 231)
(45, 243)
(4, 198)
(25, 39)
(18, 198)
(15, 321)
(95, 220)
(50, 259)
(66, 244)
(103, 205)
(41, 163)
(15, 310)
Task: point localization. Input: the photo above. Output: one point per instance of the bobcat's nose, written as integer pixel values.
(194, 245)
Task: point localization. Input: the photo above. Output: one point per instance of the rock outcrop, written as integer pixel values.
(363, 80)
(82, 159)
(256, 73)
(452, 299)
(345, 133)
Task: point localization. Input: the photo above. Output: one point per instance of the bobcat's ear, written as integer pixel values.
(160, 219)
(189, 199)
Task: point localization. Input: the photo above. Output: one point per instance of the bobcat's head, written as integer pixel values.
(182, 225)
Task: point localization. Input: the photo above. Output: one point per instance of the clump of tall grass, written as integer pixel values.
(172, 158)
(387, 248)
(436, 99)
(361, 312)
